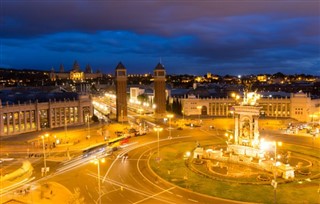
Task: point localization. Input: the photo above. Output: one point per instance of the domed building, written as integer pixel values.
(75, 73)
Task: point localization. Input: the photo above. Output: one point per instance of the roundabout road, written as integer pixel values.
(132, 181)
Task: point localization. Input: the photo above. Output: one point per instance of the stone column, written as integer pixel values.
(74, 114)
(13, 122)
(25, 120)
(8, 123)
(251, 128)
(256, 130)
(80, 114)
(19, 120)
(55, 117)
(1, 121)
(60, 118)
(236, 129)
(69, 108)
(49, 114)
(37, 115)
(227, 111)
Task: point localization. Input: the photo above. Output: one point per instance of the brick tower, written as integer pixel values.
(160, 90)
(121, 93)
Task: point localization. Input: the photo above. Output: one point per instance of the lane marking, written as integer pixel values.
(193, 200)
(167, 190)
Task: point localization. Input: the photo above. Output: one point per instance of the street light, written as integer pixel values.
(158, 130)
(274, 182)
(266, 145)
(97, 162)
(170, 116)
(88, 123)
(182, 114)
(44, 154)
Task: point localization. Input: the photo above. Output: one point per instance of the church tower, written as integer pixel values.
(121, 93)
(160, 90)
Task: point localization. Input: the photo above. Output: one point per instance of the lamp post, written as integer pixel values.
(44, 154)
(158, 130)
(170, 116)
(88, 124)
(274, 182)
(182, 114)
(97, 162)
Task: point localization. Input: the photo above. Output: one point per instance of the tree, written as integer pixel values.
(142, 97)
(168, 105)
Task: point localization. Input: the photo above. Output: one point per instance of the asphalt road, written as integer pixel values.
(130, 180)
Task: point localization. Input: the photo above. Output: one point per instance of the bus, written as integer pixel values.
(110, 145)
(114, 143)
(98, 149)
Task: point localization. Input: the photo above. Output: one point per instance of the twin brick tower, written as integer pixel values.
(121, 91)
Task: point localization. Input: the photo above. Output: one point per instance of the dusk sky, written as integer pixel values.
(189, 36)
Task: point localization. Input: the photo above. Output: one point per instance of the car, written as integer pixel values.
(139, 133)
(118, 133)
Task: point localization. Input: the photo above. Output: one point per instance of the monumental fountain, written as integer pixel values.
(245, 147)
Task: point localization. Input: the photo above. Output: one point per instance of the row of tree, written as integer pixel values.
(174, 107)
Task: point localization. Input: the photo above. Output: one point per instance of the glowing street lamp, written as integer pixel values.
(266, 145)
(88, 123)
(182, 114)
(97, 162)
(274, 183)
(158, 130)
(44, 154)
(170, 116)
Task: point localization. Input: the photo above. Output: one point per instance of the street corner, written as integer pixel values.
(48, 192)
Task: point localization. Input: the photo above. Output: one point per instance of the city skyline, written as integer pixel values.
(193, 37)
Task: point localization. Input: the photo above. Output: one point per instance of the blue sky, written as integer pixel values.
(189, 36)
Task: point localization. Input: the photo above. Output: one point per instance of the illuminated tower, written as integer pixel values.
(160, 89)
(121, 93)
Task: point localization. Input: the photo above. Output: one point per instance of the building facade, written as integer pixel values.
(298, 106)
(28, 117)
(75, 73)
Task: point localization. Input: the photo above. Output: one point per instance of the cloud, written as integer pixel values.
(188, 35)
(149, 17)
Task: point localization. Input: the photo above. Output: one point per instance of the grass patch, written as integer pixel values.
(172, 168)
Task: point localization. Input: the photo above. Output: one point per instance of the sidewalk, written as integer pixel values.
(45, 193)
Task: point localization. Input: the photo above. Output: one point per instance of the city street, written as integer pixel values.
(128, 180)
